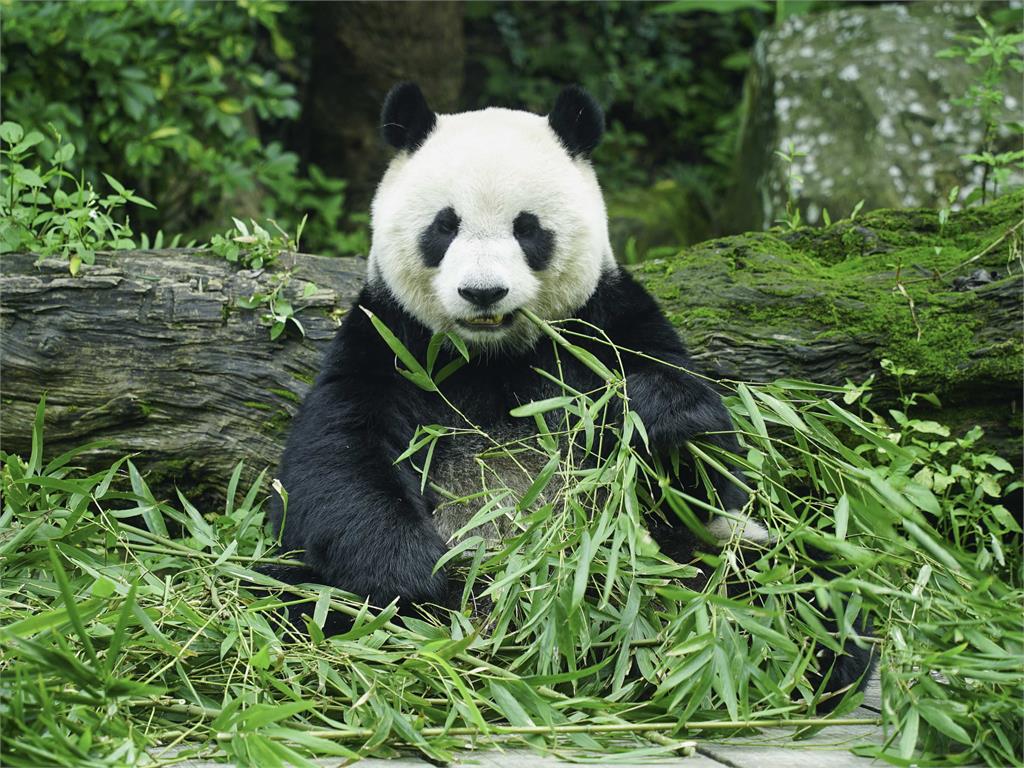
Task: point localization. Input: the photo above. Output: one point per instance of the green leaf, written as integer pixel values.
(322, 607)
(33, 138)
(724, 684)
(539, 483)
(164, 132)
(50, 619)
(140, 201)
(509, 706)
(35, 461)
(116, 185)
(541, 406)
(582, 573)
(117, 639)
(10, 132)
(411, 363)
(260, 715)
(783, 411)
(908, 734)
(28, 177)
(460, 345)
(938, 718)
(70, 603)
(842, 516)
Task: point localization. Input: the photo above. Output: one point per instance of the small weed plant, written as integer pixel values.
(131, 629)
(996, 55)
(255, 247)
(793, 219)
(280, 311)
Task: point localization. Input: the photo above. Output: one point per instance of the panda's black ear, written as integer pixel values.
(577, 120)
(406, 120)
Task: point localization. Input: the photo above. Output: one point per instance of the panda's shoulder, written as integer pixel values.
(359, 348)
(618, 295)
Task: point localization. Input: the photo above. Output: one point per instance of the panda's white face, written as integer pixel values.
(488, 215)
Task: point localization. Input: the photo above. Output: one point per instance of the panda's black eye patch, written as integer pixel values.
(435, 239)
(525, 225)
(446, 222)
(538, 244)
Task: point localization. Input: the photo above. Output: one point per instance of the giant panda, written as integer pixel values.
(478, 216)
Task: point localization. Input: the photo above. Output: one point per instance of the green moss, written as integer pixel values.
(287, 394)
(993, 216)
(942, 353)
(305, 378)
(258, 405)
(277, 423)
(846, 282)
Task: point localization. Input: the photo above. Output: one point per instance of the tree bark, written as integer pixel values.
(360, 50)
(149, 350)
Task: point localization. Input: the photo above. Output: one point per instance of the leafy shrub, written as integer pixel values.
(175, 98)
(46, 210)
(996, 54)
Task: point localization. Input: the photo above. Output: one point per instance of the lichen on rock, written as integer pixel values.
(860, 92)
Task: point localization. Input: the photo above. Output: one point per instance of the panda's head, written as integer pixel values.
(483, 213)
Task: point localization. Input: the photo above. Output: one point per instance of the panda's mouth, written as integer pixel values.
(486, 322)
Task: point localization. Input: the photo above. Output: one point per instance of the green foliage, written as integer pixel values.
(38, 214)
(118, 635)
(671, 84)
(182, 99)
(996, 54)
(652, 221)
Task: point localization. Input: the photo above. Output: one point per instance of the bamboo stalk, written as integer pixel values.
(342, 734)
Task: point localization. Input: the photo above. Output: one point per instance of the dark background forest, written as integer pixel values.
(269, 109)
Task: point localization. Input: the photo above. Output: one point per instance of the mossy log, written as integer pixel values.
(149, 350)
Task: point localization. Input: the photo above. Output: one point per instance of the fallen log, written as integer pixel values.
(150, 350)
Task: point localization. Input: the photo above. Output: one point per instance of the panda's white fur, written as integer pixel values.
(490, 166)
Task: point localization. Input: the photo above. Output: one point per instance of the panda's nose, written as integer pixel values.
(483, 297)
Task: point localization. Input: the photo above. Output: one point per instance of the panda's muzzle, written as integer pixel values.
(484, 298)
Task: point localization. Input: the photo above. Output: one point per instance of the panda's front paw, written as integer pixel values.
(382, 565)
(418, 583)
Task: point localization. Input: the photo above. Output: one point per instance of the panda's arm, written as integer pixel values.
(674, 404)
(362, 521)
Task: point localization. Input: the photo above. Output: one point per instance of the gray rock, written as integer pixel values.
(861, 92)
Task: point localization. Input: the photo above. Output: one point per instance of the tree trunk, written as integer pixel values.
(149, 350)
(359, 51)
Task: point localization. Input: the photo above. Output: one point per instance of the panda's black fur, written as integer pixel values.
(361, 520)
